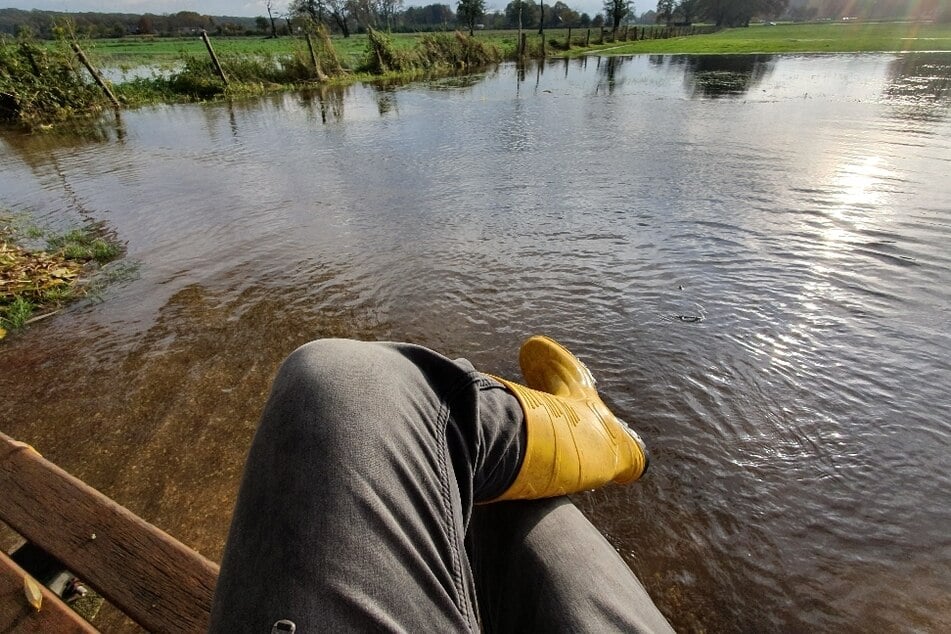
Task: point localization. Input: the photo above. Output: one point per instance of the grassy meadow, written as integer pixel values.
(829, 37)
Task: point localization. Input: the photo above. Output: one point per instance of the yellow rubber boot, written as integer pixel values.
(574, 442)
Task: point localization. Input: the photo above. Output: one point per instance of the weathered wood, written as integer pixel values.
(524, 44)
(568, 40)
(158, 581)
(214, 58)
(17, 615)
(95, 74)
(587, 39)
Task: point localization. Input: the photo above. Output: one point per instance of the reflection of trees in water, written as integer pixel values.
(919, 85)
(609, 78)
(386, 97)
(714, 76)
(326, 100)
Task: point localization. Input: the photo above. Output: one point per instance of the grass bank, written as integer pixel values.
(41, 271)
(42, 83)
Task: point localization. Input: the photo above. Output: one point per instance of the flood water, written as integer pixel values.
(751, 254)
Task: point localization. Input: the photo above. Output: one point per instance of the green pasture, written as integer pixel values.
(844, 37)
(833, 37)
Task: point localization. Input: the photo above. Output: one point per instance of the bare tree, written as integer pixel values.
(270, 5)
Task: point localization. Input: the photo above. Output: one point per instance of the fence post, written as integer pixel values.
(587, 39)
(95, 74)
(524, 44)
(602, 36)
(214, 58)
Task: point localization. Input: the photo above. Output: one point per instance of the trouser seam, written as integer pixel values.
(445, 490)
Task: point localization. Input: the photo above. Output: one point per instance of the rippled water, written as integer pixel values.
(751, 253)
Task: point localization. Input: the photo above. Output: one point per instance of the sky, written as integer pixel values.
(242, 7)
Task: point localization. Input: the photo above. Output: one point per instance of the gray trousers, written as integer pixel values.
(358, 510)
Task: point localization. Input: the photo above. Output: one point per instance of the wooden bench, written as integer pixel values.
(156, 580)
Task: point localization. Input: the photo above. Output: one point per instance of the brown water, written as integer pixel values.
(800, 207)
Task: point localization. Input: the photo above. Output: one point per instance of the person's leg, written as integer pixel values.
(358, 490)
(541, 566)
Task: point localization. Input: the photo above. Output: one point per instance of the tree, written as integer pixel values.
(469, 11)
(615, 11)
(270, 6)
(520, 12)
(739, 12)
(687, 10)
(386, 11)
(665, 11)
(563, 15)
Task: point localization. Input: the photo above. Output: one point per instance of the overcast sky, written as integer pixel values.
(240, 7)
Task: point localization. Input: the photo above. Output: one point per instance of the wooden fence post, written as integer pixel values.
(95, 74)
(214, 58)
(587, 39)
(568, 41)
(523, 46)
(602, 36)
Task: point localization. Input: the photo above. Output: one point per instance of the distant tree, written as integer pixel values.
(521, 12)
(469, 11)
(665, 11)
(270, 14)
(687, 10)
(598, 21)
(585, 20)
(739, 12)
(615, 11)
(145, 25)
(387, 10)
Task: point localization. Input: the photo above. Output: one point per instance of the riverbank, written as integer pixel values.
(40, 86)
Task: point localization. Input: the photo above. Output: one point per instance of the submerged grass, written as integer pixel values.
(45, 278)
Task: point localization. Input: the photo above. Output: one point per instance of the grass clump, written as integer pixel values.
(46, 278)
(456, 50)
(40, 84)
(83, 245)
(383, 57)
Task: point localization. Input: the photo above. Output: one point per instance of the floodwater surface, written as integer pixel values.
(751, 254)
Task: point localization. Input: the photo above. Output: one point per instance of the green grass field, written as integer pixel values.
(833, 37)
(783, 38)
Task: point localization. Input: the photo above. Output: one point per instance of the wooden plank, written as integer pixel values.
(155, 579)
(17, 615)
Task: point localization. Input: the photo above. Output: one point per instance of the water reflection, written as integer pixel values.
(715, 76)
(920, 86)
(609, 71)
(327, 102)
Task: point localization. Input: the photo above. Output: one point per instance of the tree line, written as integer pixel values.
(348, 16)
